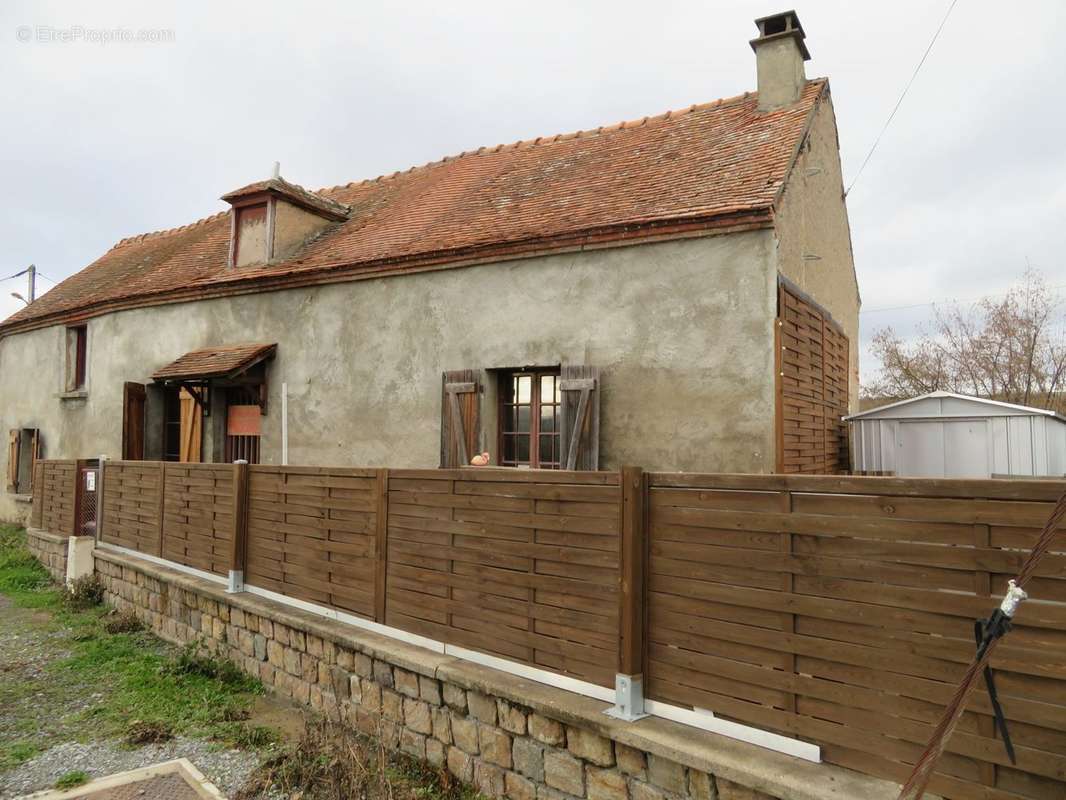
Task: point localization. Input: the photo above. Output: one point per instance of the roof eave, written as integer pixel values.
(623, 235)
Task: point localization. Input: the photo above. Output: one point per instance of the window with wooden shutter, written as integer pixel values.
(77, 357)
(14, 445)
(579, 417)
(529, 418)
(460, 425)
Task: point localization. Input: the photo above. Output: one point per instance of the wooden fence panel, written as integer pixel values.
(132, 505)
(311, 535)
(521, 565)
(58, 501)
(846, 619)
(198, 516)
(812, 387)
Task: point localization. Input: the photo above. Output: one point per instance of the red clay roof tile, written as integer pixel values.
(713, 164)
(214, 362)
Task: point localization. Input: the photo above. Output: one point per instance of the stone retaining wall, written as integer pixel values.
(507, 736)
(51, 550)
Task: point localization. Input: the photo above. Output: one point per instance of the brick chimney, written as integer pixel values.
(779, 56)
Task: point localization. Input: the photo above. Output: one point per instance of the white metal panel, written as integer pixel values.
(920, 449)
(944, 449)
(1020, 445)
(966, 449)
(1056, 439)
(887, 435)
(1039, 444)
(1000, 450)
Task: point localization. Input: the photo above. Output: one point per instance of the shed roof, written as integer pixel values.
(214, 362)
(710, 167)
(998, 404)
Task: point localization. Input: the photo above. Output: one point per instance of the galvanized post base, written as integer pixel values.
(628, 698)
(236, 581)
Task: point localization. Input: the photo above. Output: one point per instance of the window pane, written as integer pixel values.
(524, 384)
(507, 418)
(523, 449)
(547, 419)
(524, 419)
(547, 450)
(547, 388)
(508, 449)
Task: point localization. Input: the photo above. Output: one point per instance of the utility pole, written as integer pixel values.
(32, 276)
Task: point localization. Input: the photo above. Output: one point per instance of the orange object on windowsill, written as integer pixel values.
(481, 460)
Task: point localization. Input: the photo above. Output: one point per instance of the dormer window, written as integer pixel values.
(273, 219)
(251, 235)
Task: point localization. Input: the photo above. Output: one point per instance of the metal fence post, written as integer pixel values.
(240, 527)
(629, 680)
(100, 496)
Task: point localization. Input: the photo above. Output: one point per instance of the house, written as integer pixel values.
(676, 291)
(949, 435)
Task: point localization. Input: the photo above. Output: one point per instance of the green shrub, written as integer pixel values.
(194, 659)
(71, 779)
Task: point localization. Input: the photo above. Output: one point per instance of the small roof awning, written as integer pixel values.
(215, 362)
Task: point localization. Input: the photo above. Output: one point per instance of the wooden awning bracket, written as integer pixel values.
(200, 393)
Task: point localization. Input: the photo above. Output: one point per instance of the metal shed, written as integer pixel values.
(947, 435)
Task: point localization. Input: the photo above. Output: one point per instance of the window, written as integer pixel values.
(77, 350)
(529, 418)
(24, 448)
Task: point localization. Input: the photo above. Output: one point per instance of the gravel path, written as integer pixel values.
(227, 769)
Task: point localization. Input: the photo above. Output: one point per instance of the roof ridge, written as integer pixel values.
(140, 237)
(553, 138)
(639, 122)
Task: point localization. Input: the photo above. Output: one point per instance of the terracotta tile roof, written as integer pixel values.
(297, 194)
(717, 165)
(214, 362)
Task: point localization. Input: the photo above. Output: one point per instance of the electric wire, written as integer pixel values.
(899, 102)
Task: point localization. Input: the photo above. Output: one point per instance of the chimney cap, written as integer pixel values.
(785, 24)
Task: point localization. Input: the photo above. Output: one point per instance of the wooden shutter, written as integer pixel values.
(35, 456)
(460, 417)
(14, 441)
(579, 417)
(133, 401)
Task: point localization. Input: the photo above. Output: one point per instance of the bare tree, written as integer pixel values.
(1012, 349)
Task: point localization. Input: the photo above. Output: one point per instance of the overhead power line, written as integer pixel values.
(899, 102)
(946, 300)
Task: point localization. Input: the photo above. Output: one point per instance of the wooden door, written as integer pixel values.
(133, 397)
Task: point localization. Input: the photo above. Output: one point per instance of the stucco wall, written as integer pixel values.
(682, 332)
(292, 227)
(812, 220)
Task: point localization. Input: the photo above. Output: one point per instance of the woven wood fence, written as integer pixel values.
(812, 387)
(841, 611)
(836, 610)
(199, 515)
(132, 510)
(58, 502)
(312, 535)
(519, 565)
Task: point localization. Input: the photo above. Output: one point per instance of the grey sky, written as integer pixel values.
(102, 141)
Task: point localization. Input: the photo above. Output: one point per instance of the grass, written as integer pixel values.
(129, 676)
(71, 779)
(144, 690)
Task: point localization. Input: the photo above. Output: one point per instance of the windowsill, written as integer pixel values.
(77, 394)
(22, 498)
